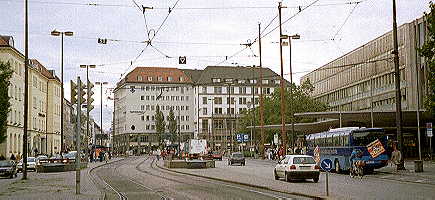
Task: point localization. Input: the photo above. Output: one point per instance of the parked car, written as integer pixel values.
(297, 167)
(236, 157)
(216, 155)
(31, 164)
(8, 168)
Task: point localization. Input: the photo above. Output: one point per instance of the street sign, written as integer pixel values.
(182, 60)
(275, 138)
(429, 129)
(242, 137)
(326, 165)
(245, 137)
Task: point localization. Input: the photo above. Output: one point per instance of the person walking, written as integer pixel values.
(13, 157)
(106, 157)
(396, 157)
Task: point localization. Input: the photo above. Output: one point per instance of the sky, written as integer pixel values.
(207, 32)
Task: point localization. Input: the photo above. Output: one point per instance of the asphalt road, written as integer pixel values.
(139, 178)
(341, 186)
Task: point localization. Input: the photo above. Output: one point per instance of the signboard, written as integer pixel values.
(242, 137)
(326, 165)
(197, 146)
(182, 60)
(275, 138)
(375, 148)
(429, 129)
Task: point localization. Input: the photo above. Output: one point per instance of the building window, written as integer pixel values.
(160, 78)
(150, 78)
(187, 107)
(142, 118)
(181, 79)
(204, 100)
(148, 118)
(218, 90)
(216, 80)
(142, 107)
(204, 89)
(139, 78)
(170, 78)
(204, 111)
(218, 100)
(142, 98)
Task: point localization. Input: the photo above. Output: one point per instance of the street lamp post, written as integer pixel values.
(61, 33)
(290, 37)
(101, 107)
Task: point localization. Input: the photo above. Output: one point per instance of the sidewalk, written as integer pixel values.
(409, 175)
(47, 186)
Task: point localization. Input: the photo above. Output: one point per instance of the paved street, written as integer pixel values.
(139, 178)
(376, 186)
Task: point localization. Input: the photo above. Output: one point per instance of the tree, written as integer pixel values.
(160, 123)
(302, 102)
(5, 76)
(172, 125)
(428, 52)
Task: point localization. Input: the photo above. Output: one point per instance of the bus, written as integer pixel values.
(338, 144)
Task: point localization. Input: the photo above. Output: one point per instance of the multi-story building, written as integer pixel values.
(136, 99)
(222, 94)
(68, 125)
(13, 143)
(44, 109)
(363, 79)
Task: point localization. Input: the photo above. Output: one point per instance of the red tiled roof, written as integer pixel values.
(142, 74)
(42, 69)
(3, 42)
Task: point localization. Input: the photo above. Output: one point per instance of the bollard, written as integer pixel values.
(418, 166)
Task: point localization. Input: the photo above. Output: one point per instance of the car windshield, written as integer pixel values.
(31, 159)
(237, 155)
(5, 163)
(303, 160)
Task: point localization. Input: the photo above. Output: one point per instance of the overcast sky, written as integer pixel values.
(203, 30)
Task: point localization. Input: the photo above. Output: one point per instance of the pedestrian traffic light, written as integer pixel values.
(73, 92)
(90, 100)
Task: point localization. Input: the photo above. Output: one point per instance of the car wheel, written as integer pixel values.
(287, 177)
(316, 179)
(276, 175)
(337, 167)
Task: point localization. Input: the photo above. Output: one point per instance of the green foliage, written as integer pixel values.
(5, 76)
(172, 126)
(428, 52)
(160, 123)
(302, 102)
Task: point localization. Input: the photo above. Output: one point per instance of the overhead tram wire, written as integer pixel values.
(345, 21)
(169, 12)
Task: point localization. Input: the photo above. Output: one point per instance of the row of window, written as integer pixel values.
(14, 117)
(219, 100)
(219, 111)
(15, 143)
(177, 118)
(159, 78)
(153, 107)
(243, 81)
(332, 141)
(240, 90)
(153, 127)
(15, 92)
(182, 89)
(165, 98)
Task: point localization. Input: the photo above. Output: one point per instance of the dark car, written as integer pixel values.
(8, 168)
(236, 157)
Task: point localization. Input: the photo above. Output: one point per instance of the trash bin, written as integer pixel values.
(418, 165)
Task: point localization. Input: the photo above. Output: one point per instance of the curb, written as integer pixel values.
(244, 184)
(102, 194)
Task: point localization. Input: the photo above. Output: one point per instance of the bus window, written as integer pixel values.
(345, 140)
(365, 138)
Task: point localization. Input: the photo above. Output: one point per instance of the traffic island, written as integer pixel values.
(189, 164)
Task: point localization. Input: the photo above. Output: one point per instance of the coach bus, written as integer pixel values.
(338, 144)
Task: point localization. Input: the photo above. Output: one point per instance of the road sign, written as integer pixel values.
(182, 60)
(242, 137)
(429, 129)
(326, 165)
(245, 137)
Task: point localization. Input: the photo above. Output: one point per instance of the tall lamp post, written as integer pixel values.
(290, 37)
(61, 33)
(101, 107)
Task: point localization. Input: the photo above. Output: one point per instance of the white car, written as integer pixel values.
(31, 164)
(297, 167)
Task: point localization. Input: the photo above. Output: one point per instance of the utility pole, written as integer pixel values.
(26, 88)
(283, 132)
(401, 166)
(260, 82)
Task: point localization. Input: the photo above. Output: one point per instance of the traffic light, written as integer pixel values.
(82, 93)
(90, 100)
(73, 92)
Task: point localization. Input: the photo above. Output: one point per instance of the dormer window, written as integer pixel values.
(181, 79)
(139, 78)
(277, 82)
(160, 78)
(228, 80)
(150, 78)
(242, 81)
(265, 81)
(170, 78)
(216, 80)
